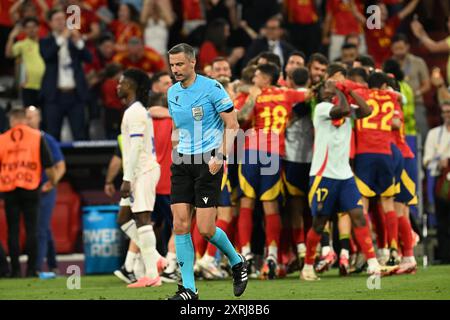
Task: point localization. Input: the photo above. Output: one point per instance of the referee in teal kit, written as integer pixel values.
(201, 109)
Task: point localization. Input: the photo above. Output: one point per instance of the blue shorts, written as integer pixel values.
(259, 176)
(374, 174)
(162, 211)
(408, 180)
(296, 178)
(328, 196)
(399, 165)
(225, 192)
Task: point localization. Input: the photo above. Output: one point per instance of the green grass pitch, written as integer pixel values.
(429, 283)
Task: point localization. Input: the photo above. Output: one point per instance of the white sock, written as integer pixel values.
(308, 267)
(172, 262)
(131, 231)
(410, 259)
(273, 251)
(206, 257)
(246, 250)
(148, 250)
(139, 268)
(345, 253)
(373, 262)
(325, 250)
(129, 260)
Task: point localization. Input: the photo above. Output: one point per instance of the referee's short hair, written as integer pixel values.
(183, 48)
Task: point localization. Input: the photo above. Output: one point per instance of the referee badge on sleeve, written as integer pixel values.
(197, 113)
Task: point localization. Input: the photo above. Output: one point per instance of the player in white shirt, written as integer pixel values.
(141, 172)
(333, 187)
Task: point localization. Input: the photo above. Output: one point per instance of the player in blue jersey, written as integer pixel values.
(202, 113)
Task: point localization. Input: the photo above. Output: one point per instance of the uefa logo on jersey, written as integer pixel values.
(197, 113)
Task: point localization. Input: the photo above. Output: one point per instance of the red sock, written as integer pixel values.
(245, 226)
(362, 237)
(312, 240)
(392, 229)
(285, 244)
(273, 229)
(199, 242)
(379, 221)
(298, 235)
(405, 235)
(222, 224)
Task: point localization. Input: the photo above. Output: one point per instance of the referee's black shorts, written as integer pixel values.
(191, 181)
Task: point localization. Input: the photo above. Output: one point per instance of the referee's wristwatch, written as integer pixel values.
(221, 156)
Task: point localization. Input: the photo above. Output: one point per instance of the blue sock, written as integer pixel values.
(185, 257)
(221, 241)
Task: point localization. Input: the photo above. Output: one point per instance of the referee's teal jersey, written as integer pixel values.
(195, 111)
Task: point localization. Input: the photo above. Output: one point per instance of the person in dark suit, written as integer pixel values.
(64, 86)
(272, 42)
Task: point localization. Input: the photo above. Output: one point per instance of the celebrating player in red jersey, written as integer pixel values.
(374, 168)
(259, 174)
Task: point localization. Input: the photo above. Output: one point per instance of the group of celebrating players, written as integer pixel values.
(322, 148)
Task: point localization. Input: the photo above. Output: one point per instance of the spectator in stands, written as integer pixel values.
(432, 45)
(64, 86)
(32, 66)
(353, 38)
(340, 21)
(30, 9)
(112, 105)
(272, 42)
(161, 82)
(303, 25)
(418, 77)
(136, 3)
(193, 16)
(438, 81)
(102, 55)
(379, 39)
(257, 12)
(349, 53)
(125, 27)
(437, 160)
(215, 44)
(89, 22)
(157, 17)
(46, 245)
(22, 195)
(365, 61)
(141, 57)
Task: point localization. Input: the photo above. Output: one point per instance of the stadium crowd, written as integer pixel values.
(266, 51)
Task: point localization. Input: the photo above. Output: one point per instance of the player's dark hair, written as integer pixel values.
(392, 82)
(358, 71)
(400, 37)
(270, 57)
(393, 67)
(298, 53)
(142, 84)
(335, 68)
(107, 36)
(183, 48)
(271, 70)
(366, 60)
(157, 99)
(377, 79)
(27, 20)
(349, 46)
(300, 76)
(158, 75)
(320, 58)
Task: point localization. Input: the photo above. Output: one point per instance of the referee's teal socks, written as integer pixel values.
(221, 241)
(185, 256)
